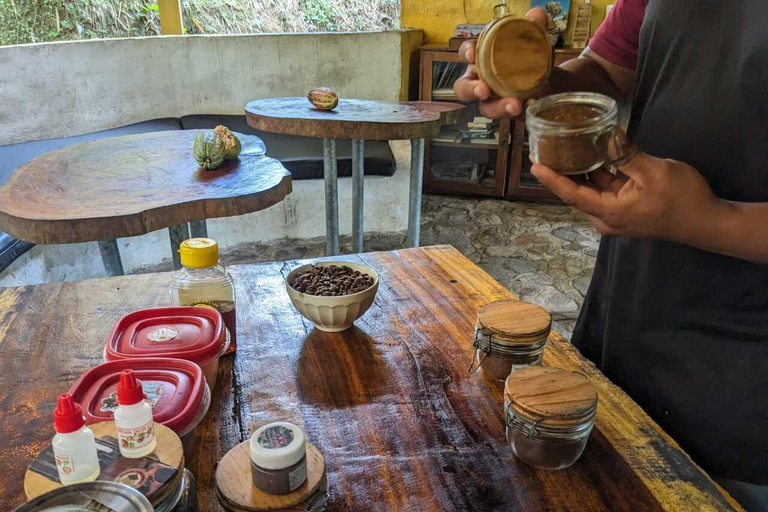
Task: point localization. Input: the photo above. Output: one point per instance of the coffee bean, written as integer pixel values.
(331, 281)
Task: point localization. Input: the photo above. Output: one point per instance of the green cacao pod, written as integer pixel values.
(323, 98)
(230, 140)
(209, 150)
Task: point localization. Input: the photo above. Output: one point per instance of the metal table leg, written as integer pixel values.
(198, 229)
(110, 256)
(414, 196)
(331, 197)
(358, 193)
(177, 234)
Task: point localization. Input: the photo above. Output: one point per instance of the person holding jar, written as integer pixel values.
(677, 310)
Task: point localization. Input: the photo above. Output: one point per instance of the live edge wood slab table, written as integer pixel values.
(358, 120)
(127, 186)
(389, 402)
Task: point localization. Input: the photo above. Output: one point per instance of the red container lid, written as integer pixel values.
(184, 332)
(175, 389)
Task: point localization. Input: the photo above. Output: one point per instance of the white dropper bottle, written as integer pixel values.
(133, 418)
(74, 447)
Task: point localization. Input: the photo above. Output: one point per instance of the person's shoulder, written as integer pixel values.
(618, 37)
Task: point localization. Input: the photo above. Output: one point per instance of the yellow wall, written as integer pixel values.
(438, 18)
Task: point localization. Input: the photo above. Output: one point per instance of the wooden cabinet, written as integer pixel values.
(481, 159)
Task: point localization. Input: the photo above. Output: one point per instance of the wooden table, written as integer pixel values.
(358, 120)
(131, 185)
(389, 402)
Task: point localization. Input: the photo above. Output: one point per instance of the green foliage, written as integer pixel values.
(35, 21)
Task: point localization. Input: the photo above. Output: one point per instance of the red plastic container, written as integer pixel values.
(175, 388)
(196, 334)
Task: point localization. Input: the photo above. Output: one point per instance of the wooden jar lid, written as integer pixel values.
(237, 492)
(544, 393)
(514, 57)
(169, 451)
(514, 321)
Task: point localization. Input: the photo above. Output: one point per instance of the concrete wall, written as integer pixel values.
(61, 89)
(438, 18)
(58, 89)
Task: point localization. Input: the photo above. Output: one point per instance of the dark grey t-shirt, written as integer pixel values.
(685, 331)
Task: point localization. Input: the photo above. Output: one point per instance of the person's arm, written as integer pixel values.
(589, 72)
(668, 200)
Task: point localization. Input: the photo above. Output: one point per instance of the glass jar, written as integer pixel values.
(570, 132)
(509, 335)
(549, 414)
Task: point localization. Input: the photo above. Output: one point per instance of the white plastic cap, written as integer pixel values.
(277, 445)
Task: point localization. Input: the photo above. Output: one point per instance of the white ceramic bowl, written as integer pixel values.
(333, 314)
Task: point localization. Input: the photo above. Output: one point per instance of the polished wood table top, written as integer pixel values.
(401, 424)
(353, 119)
(134, 184)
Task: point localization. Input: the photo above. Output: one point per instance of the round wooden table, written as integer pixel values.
(358, 120)
(128, 186)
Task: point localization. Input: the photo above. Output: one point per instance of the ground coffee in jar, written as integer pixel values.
(510, 334)
(549, 414)
(570, 132)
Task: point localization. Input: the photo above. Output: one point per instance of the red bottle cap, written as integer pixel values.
(129, 391)
(68, 416)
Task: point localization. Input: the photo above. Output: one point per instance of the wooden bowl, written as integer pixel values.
(333, 314)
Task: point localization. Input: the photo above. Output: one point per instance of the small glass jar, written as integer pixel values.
(570, 132)
(549, 415)
(509, 335)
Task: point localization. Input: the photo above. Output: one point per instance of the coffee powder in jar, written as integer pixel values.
(509, 334)
(549, 414)
(570, 132)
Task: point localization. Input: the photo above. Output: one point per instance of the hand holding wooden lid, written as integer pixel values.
(542, 393)
(514, 321)
(514, 57)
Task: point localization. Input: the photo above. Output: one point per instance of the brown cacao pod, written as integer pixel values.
(323, 98)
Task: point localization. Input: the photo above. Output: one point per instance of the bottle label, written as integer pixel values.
(161, 334)
(137, 437)
(297, 477)
(153, 392)
(65, 464)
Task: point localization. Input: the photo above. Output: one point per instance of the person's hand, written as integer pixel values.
(649, 197)
(470, 88)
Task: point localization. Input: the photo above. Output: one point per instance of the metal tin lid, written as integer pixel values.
(558, 397)
(510, 322)
(175, 388)
(193, 333)
(89, 497)
(277, 445)
(514, 57)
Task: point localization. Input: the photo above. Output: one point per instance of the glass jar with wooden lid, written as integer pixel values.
(549, 414)
(514, 57)
(510, 334)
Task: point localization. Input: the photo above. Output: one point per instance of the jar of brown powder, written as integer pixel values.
(570, 132)
(510, 334)
(549, 414)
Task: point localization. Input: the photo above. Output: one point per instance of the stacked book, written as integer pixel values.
(483, 130)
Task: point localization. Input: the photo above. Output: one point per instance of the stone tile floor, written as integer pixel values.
(544, 253)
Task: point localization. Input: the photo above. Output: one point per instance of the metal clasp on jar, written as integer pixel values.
(482, 344)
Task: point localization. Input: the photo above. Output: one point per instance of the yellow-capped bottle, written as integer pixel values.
(201, 281)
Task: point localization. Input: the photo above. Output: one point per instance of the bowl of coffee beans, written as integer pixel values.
(332, 294)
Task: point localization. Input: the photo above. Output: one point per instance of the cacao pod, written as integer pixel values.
(323, 98)
(209, 150)
(230, 140)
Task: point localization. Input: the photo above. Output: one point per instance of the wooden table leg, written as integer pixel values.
(177, 234)
(198, 229)
(358, 193)
(331, 197)
(414, 195)
(110, 256)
